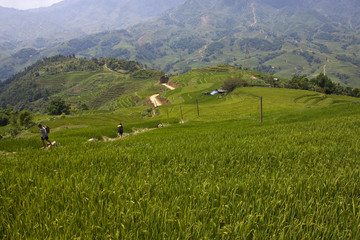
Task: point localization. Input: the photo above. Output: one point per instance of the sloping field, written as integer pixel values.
(219, 175)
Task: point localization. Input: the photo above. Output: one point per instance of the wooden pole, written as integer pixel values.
(261, 110)
(197, 103)
(182, 118)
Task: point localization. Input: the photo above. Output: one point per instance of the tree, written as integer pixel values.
(4, 119)
(232, 83)
(356, 92)
(324, 83)
(25, 118)
(58, 106)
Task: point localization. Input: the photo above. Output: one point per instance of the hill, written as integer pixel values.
(220, 174)
(24, 34)
(110, 83)
(97, 83)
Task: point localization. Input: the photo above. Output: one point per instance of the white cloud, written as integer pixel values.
(27, 4)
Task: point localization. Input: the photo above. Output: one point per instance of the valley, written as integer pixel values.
(241, 120)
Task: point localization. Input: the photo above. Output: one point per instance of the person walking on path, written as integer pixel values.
(44, 135)
(120, 129)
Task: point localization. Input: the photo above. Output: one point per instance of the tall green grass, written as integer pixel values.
(296, 176)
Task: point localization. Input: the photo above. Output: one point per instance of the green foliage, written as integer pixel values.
(120, 64)
(190, 44)
(6, 115)
(214, 48)
(308, 56)
(232, 83)
(148, 52)
(25, 118)
(147, 74)
(260, 44)
(58, 106)
(4, 119)
(324, 83)
(321, 83)
(346, 58)
(300, 82)
(24, 54)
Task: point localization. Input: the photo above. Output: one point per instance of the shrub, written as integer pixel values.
(58, 106)
(25, 118)
(232, 83)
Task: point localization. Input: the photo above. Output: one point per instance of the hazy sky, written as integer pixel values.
(27, 4)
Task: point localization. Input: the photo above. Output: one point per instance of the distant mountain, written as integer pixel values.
(74, 18)
(23, 33)
(279, 37)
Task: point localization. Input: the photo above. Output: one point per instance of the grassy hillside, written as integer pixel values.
(221, 174)
(97, 83)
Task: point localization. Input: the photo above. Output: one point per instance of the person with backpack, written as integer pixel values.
(120, 130)
(44, 131)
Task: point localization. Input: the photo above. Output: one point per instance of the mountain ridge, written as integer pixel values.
(74, 18)
(268, 35)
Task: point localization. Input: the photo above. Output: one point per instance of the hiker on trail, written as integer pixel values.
(44, 135)
(120, 129)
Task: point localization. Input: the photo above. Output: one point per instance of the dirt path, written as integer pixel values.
(255, 18)
(168, 86)
(108, 69)
(125, 135)
(154, 99)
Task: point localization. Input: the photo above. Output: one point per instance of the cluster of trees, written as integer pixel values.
(19, 120)
(270, 56)
(266, 69)
(308, 56)
(260, 44)
(117, 53)
(214, 48)
(322, 48)
(116, 64)
(190, 43)
(147, 74)
(232, 83)
(24, 118)
(345, 58)
(16, 120)
(148, 52)
(321, 83)
(78, 45)
(58, 107)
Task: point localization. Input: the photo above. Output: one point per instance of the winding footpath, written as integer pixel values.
(154, 98)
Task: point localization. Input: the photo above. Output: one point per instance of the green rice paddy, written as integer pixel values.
(219, 175)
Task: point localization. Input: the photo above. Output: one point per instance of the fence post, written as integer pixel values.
(261, 109)
(182, 118)
(197, 103)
